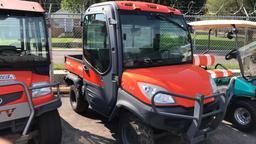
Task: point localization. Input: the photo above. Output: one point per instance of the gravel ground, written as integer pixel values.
(93, 129)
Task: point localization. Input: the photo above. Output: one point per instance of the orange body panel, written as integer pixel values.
(144, 6)
(186, 80)
(28, 78)
(76, 67)
(21, 5)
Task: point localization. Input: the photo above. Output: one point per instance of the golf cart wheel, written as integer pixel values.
(49, 129)
(77, 102)
(133, 131)
(243, 115)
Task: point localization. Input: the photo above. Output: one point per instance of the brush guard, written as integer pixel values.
(25, 136)
(195, 133)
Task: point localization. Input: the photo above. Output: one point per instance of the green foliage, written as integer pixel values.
(77, 6)
(229, 7)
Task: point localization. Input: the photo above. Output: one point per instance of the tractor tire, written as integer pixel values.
(133, 131)
(243, 115)
(49, 129)
(77, 101)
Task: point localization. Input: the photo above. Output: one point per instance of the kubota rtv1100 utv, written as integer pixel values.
(28, 108)
(137, 65)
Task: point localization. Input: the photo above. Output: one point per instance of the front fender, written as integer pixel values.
(127, 102)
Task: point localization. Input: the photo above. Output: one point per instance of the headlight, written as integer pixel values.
(41, 91)
(214, 86)
(149, 90)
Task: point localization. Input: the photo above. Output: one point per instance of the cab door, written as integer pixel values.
(100, 68)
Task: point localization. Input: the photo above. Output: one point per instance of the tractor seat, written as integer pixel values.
(205, 60)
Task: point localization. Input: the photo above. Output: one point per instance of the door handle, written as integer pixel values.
(86, 68)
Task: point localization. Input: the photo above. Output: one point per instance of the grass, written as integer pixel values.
(217, 43)
(66, 40)
(58, 67)
(227, 65)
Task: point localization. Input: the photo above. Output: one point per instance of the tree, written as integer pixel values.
(77, 6)
(230, 7)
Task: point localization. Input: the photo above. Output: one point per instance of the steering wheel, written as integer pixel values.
(6, 50)
(231, 54)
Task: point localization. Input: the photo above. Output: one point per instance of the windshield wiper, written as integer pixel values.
(171, 21)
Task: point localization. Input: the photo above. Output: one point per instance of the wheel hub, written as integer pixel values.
(129, 135)
(242, 116)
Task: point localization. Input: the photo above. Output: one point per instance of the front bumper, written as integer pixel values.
(26, 112)
(199, 122)
(195, 124)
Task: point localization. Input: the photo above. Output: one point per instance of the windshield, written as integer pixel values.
(153, 39)
(248, 57)
(22, 39)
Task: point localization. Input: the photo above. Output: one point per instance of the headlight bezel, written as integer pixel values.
(149, 90)
(40, 91)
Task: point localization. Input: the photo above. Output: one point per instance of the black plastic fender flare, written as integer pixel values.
(71, 79)
(129, 103)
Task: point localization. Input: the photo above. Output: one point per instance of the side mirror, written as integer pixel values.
(230, 35)
(190, 29)
(232, 54)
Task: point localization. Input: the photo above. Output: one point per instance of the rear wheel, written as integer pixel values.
(134, 131)
(243, 115)
(77, 101)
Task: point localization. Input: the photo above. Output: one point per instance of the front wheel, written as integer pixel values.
(134, 131)
(49, 129)
(243, 115)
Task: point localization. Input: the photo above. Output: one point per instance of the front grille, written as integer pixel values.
(10, 97)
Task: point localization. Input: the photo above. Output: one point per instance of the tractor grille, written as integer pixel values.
(7, 98)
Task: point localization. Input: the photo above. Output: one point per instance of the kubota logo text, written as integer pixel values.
(7, 77)
(8, 112)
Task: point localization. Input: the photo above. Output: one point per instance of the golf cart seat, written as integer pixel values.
(205, 60)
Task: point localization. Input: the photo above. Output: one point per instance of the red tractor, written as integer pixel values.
(137, 66)
(28, 107)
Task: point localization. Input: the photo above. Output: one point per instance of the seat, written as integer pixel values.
(205, 60)
(220, 73)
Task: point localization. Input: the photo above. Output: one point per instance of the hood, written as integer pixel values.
(188, 80)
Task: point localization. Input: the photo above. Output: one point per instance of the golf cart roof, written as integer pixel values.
(215, 24)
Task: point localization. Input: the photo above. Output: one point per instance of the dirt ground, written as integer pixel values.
(93, 129)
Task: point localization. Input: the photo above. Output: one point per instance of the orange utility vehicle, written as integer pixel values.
(28, 108)
(137, 65)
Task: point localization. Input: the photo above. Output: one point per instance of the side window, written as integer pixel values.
(96, 40)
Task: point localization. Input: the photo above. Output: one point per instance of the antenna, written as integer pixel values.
(50, 10)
